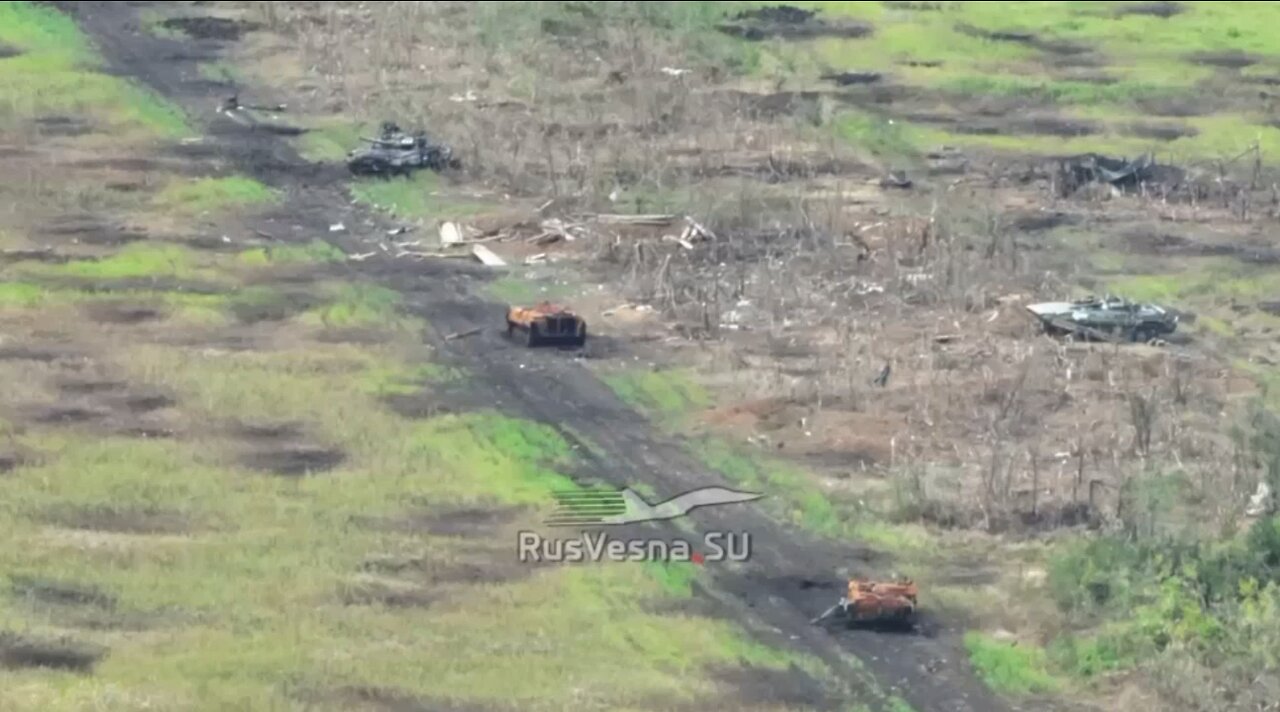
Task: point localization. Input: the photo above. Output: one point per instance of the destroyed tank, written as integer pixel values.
(546, 324)
(1106, 318)
(890, 602)
(395, 152)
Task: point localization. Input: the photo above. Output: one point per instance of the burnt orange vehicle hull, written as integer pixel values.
(876, 602)
(881, 602)
(546, 324)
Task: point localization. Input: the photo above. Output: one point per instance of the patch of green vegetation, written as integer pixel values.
(417, 196)
(22, 294)
(667, 394)
(315, 251)
(384, 381)
(1010, 667)
(140, 259)
(676, 578)
(1207, 280)
(331, 141)
(56, 76)
(221, 72)
(1160, 593)
(518, 290)
(203, 195)
(880, 136)
(1056, 91)
(360, 305)
(688, 25)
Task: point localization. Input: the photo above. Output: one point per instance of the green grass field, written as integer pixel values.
(178, 573)
(1135, 59)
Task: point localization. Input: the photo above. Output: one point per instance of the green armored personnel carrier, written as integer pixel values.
(1106, 318)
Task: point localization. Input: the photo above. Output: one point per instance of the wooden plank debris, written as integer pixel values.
(450, 234)
(463, 334)
(487, 256)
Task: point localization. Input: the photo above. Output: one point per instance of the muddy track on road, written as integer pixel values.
(790, 576)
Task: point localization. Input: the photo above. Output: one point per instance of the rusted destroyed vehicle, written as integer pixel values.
(876, 602)
(546, 324)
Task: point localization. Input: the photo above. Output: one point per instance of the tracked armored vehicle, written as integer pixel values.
(876, 603)
(546, 324)
(395, 152)
(1105, 318)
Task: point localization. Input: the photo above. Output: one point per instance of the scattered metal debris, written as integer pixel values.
(1075, 172)
(247, 115)
(896, 179)
(463, 334)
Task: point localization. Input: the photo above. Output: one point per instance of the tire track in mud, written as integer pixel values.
(789, 577)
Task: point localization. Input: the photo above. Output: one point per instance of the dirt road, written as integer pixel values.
(787, 580)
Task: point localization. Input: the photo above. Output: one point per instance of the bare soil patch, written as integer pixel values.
(60, 593)
(66, 414)
(477, 564)
(20, 651)
(468, 522)
(295, 460)
(1154, 9)
(146, 402)
(419, 406)
(119, 519)
(122, 312)
(89, 230)
(394, 593)
(10, 461)
(63, 126)
(1175, 106)
(790, 22)
(354, 335)
(913, 6)
(266, 432)
(382, 699)
(86, 387)
(844, 79)
(1161, 132)
(1030, 39)
(42, 354)
(211, 28)
(1036, 125)
(46, 256)
(1227, 59)
(7, 51)
(1166, 244)
(792, 688)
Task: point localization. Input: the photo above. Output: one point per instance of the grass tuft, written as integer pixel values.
(1010, 667)
(203, 195)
